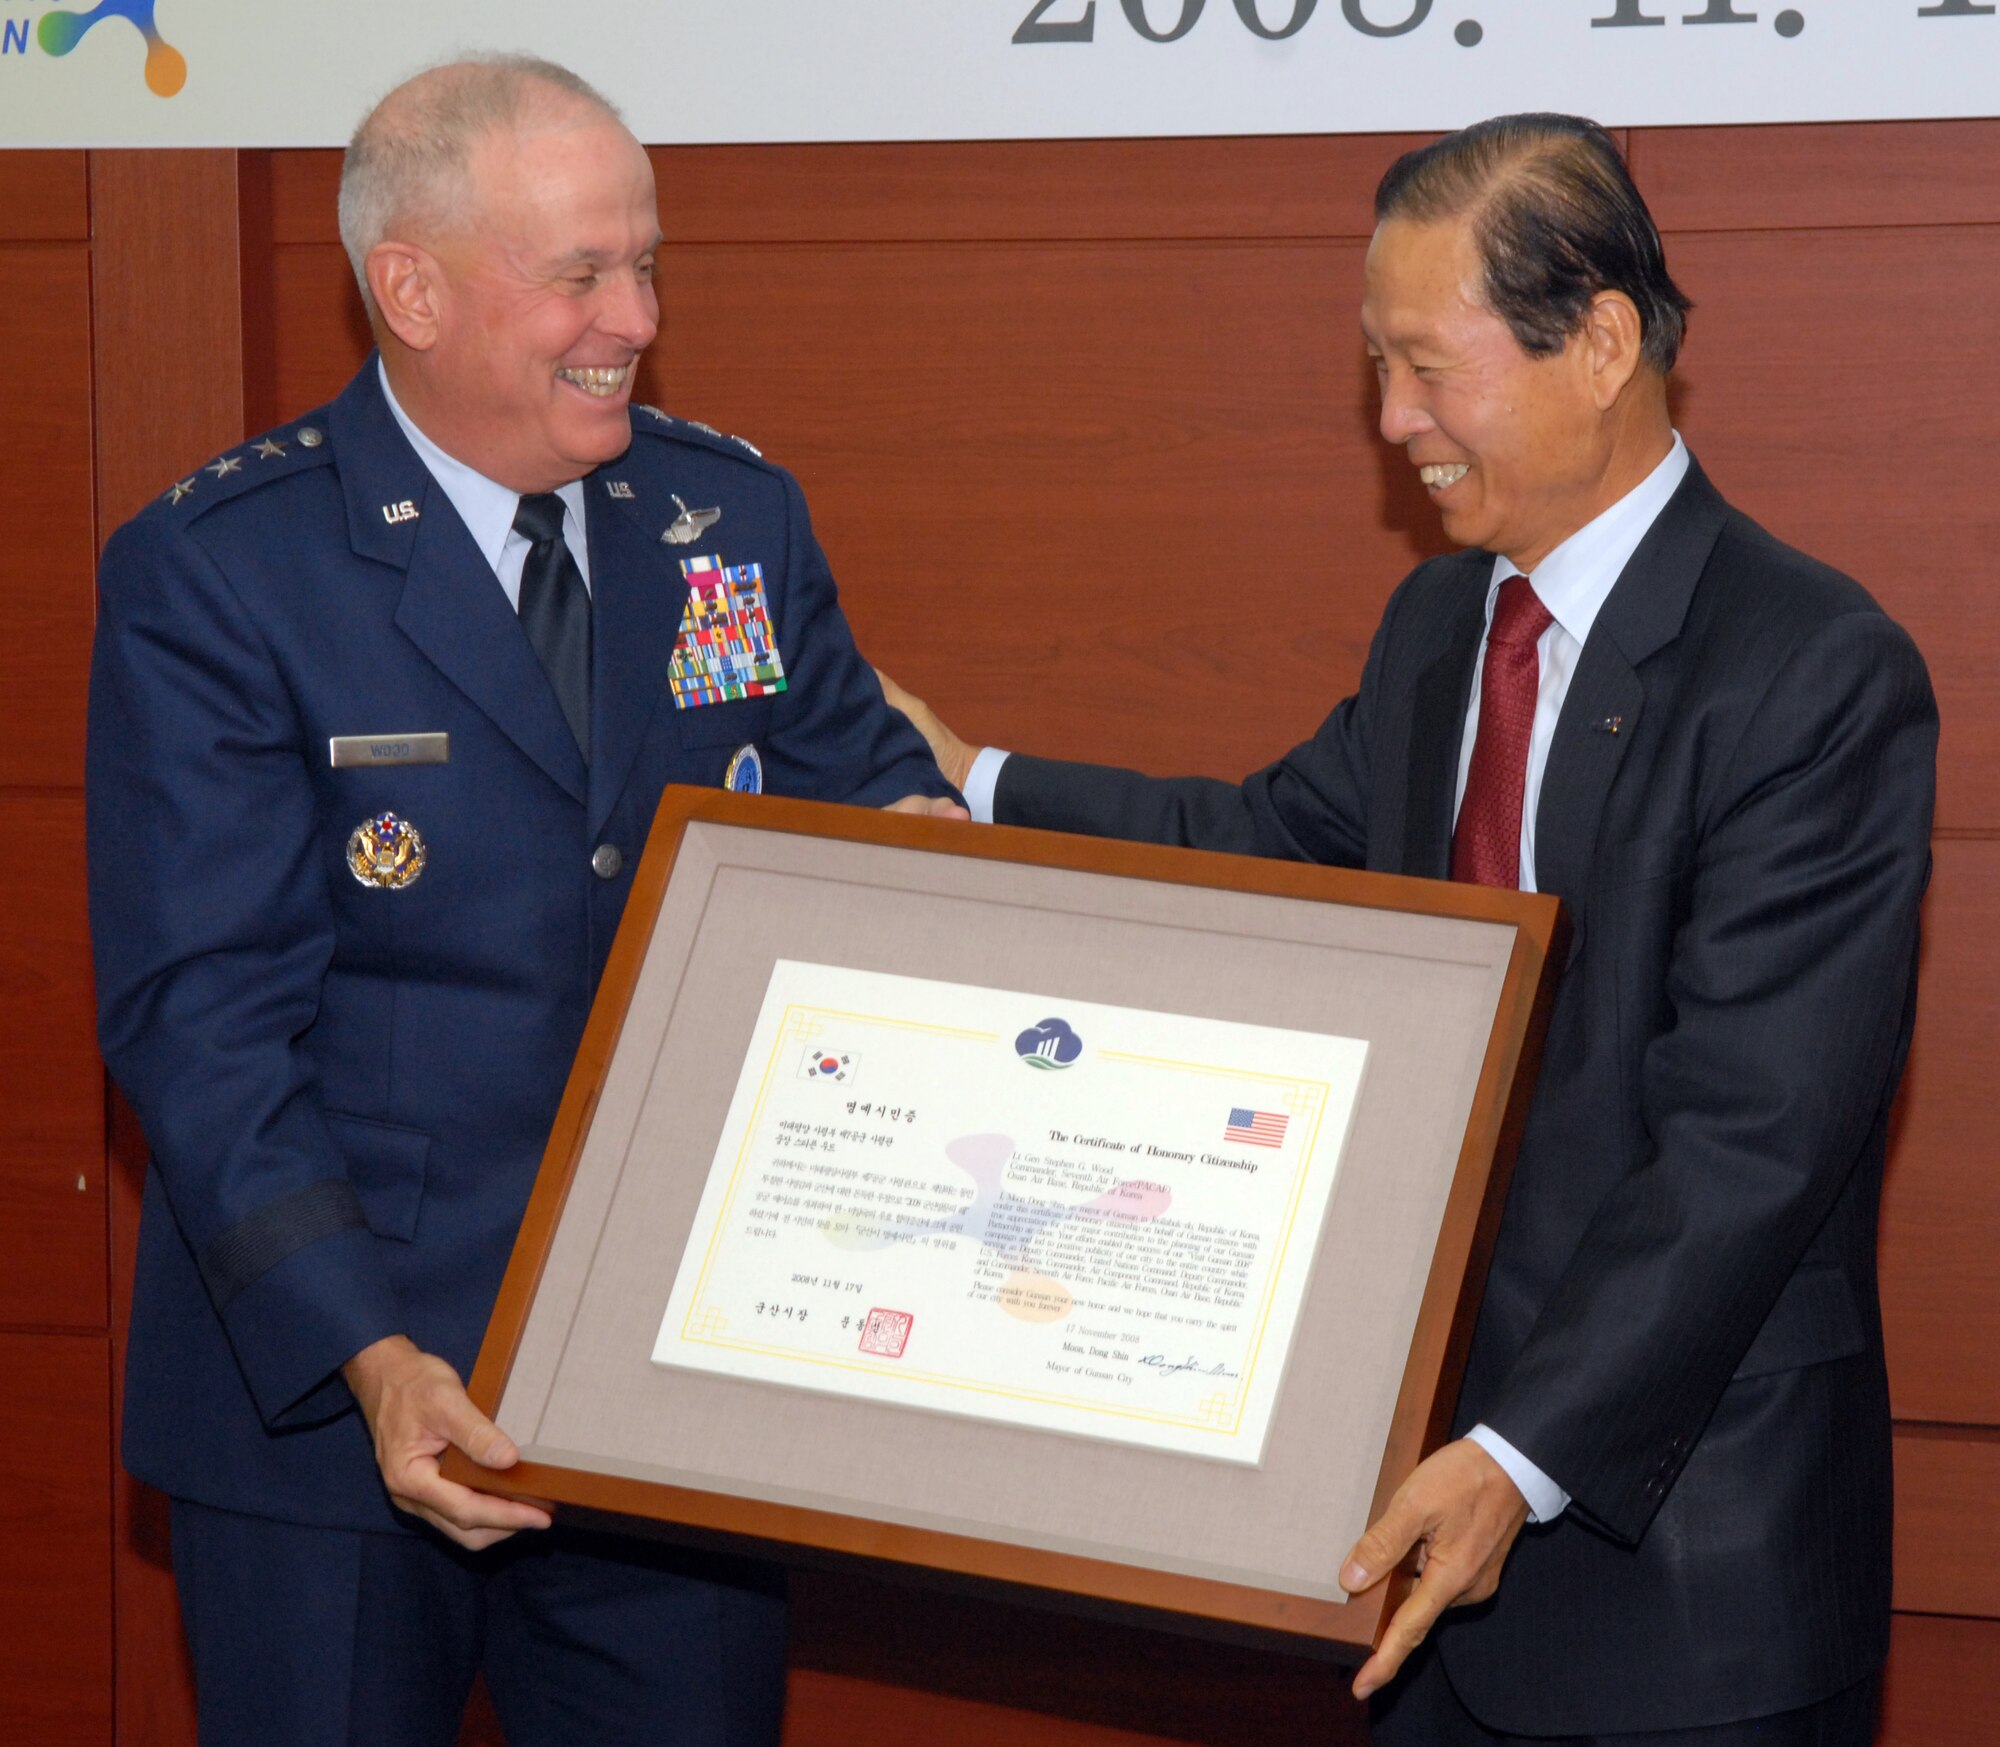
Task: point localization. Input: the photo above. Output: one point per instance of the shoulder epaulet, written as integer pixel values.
(276, 455)
(664, 424)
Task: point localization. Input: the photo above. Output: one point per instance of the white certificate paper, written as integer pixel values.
(1050, 1212)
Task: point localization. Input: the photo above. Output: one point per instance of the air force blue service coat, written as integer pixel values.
(347, 1088)
(1680, 1324)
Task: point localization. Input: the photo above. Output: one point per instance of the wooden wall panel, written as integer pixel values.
(169, 328)
(55, 1583)
(1942, 1685)
(1050, 476)
(55, 1594)
(1814, 178)
(319, 332)
(155, 1681)
(1941, 1207)
(52, 1187)
(174, 380)
(43, 198)
(1833, 387)
(1948, 1520)
(1034, 190)
(1090, 190)
(49, 554)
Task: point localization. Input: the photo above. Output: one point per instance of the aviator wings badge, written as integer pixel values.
(689, 525)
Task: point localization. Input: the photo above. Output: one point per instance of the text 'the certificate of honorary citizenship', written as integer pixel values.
(1050, 1212)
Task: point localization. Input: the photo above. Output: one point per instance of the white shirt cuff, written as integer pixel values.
(981, 781)
(1546, 1500)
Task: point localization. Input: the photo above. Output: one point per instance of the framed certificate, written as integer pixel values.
(1088, 1215)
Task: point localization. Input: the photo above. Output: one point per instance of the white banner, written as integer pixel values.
(302, 72)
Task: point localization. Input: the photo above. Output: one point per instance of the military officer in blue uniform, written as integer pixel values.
(382, 705)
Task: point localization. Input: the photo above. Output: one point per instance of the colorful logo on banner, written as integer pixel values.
(60, 32)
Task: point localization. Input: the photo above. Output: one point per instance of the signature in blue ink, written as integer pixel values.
(1184, 1367)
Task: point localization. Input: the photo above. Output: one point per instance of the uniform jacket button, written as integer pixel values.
(607, 861)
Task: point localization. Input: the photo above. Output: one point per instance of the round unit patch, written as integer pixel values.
(386, 851)
(745, 775)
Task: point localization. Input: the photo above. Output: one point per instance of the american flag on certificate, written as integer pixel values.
(1256, 1127)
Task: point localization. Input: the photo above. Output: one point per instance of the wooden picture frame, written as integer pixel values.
(1456, 982)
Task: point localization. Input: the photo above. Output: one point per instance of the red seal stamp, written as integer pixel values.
(886, 1332)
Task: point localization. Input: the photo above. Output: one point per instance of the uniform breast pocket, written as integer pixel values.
(729, 724)
(387, 1165)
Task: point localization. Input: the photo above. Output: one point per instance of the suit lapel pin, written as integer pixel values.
(1607, 725)
(689, 525)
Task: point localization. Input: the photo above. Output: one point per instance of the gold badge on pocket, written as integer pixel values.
(386, 851)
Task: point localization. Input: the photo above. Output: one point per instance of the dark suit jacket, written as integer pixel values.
(1681, 1322)
(347, 1089)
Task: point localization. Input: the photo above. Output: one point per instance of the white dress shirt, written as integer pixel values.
(1573, 582)
(487, 508)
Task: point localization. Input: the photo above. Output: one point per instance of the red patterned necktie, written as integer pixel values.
(1486, 849)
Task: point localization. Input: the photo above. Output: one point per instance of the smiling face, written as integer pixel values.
(525, 321)
(1517, 452)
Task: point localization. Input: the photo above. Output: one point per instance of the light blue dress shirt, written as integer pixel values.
(487, 507)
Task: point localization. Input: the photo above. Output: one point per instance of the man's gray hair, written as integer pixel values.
(408, 163)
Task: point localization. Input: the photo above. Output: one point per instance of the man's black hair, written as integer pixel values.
(1557, 220)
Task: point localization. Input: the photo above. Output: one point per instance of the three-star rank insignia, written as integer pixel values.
(386, 851)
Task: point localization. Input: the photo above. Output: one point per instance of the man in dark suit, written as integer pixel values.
(1719, 753)
(381, 709)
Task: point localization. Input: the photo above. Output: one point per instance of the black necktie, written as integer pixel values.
(555, 610)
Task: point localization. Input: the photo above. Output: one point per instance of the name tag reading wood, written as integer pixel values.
(347, 750)
(1090, 1216)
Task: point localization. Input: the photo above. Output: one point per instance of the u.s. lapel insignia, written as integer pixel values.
(689, 525)
(745, 775)
(386, 851)
(618, 488)
(395, 513)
